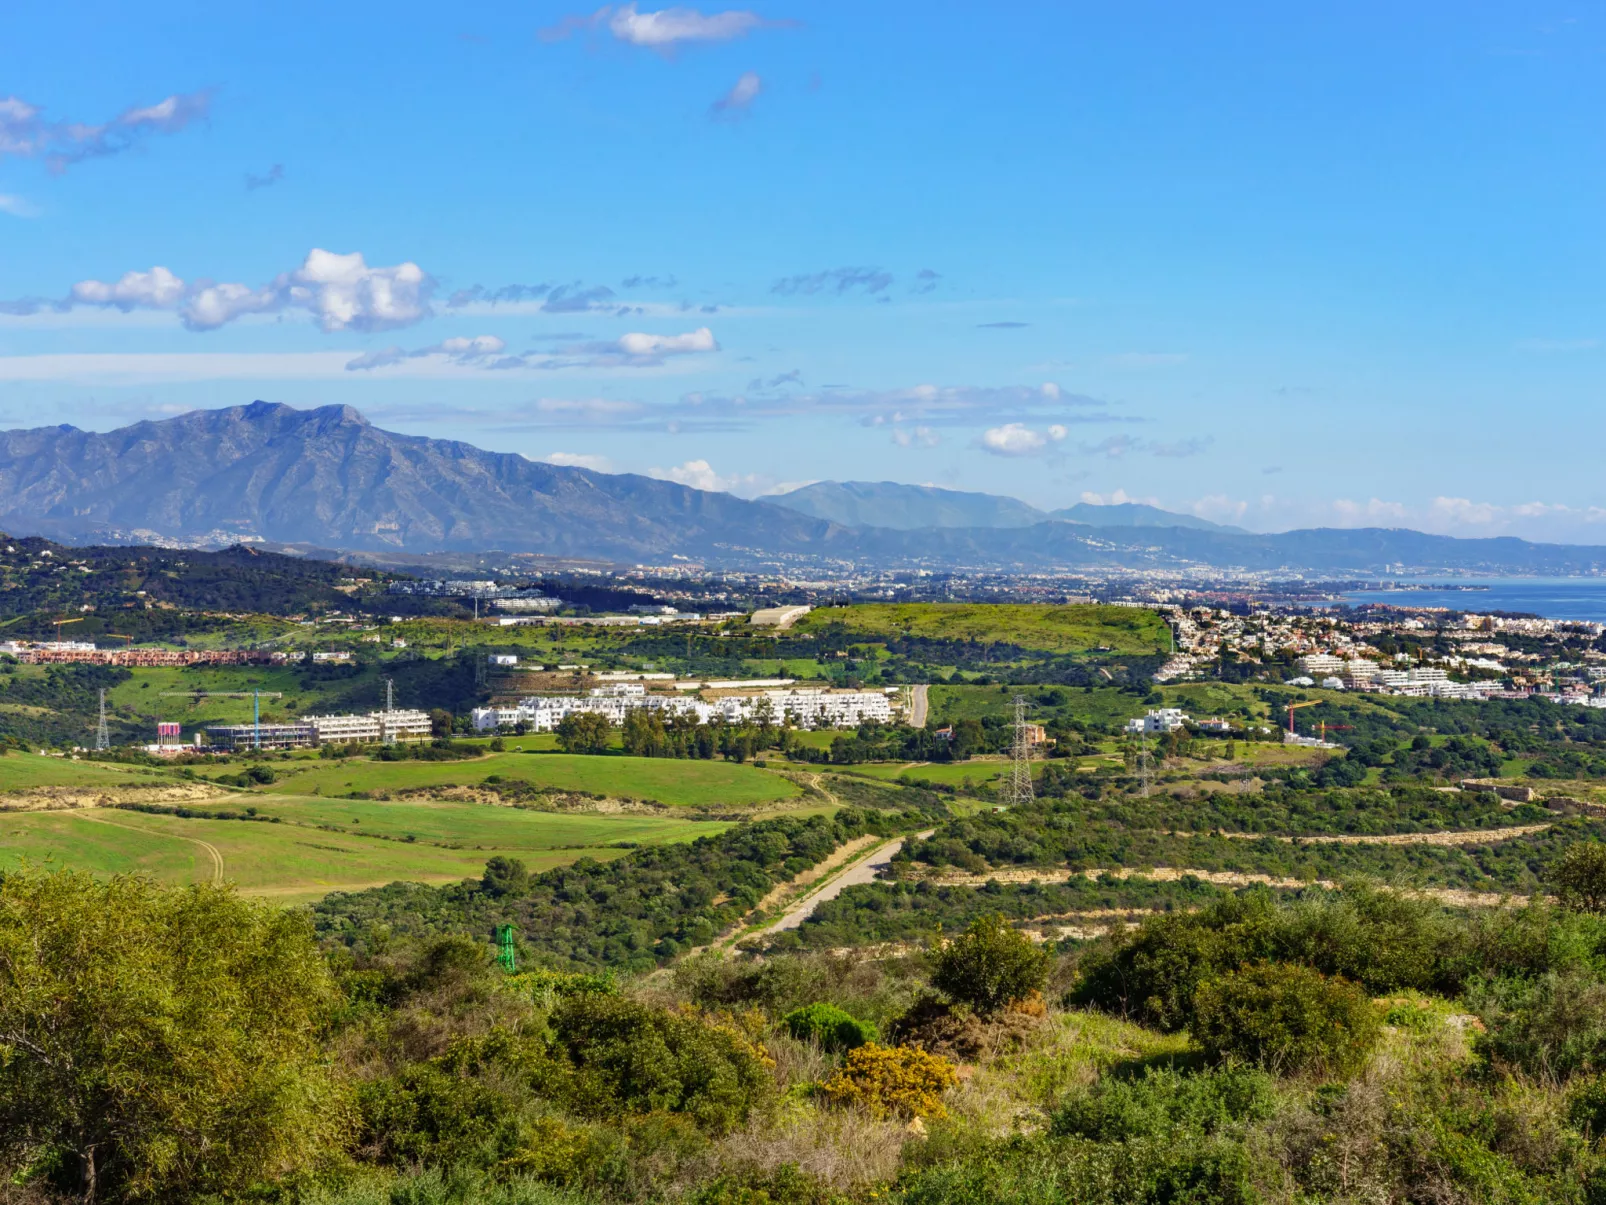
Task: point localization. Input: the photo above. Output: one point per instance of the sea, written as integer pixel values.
(1547, 597)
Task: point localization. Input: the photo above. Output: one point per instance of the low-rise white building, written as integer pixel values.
(371, 728)
(809, 708)
(1159, 720)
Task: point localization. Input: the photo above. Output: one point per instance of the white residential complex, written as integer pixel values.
(376, 726)
(803, 708)
(1159, 720)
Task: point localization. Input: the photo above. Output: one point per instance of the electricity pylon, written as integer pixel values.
(103, 737)
(1018, 786)
(1143, 761)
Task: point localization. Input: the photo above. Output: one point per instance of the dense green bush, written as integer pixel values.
(1285, 1018)
(1580, 877)
(990, 965)
(622, 1056)
(831, 1027)
(1552, 1026)
(1162, 1101)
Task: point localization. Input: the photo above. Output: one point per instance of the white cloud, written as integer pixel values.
(157, 289)
(700, 475)
(642, 345)
(25, 133)
(668, 26)
(915, 437)
(1370, 513)
(663, 29)
(1017, 439)
(1119, 498)
(740, 98)
(1219, 508)
(341, 292)
(579, 460)
(17, 207)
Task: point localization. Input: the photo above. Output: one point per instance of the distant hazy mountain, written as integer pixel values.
(331, 479)
(905, 507)
(1135, 514)
(910, 507)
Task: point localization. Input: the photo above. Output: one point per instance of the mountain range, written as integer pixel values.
(328, 478)
(910, 507)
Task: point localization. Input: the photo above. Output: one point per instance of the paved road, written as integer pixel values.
(860, 872)
(917, 707)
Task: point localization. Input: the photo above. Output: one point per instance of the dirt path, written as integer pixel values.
(918, 706)
(863, 871)
(1223, 878)
(212, 851)
(1477, 836)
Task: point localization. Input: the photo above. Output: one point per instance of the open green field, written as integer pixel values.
(23, 771)
(477, 825)
(665, 780)
(321, 847)
(953, 774)
(1073, 629)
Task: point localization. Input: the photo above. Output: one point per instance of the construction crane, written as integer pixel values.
(1293, 707)
(61, 623)
(256, 697)
(128, 641)
(1324, 728)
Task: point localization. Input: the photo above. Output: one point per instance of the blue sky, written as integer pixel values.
(1276, 265)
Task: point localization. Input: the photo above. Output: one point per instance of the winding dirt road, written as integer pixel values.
(863, 871)
(212, 851)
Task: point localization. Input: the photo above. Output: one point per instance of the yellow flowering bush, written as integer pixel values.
(892, 1081)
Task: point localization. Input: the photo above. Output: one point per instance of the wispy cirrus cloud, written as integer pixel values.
(836, 281)
(1116, 446)
(267, 180)
(578, 460)
(340, 292)
(26, 133)
(474, 351)
(663, 30)
(739, 100)
(17, 207)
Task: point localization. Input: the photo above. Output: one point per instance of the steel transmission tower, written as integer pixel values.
(1143, 761)
(390, 706)
(1018, 786)
(103, 736)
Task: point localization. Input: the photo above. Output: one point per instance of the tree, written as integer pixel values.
(583, 732)
(159, 1043)
(644, 733)
(440, 722)
(1286, 1018)
(505, 876)
(990, 965)
(1580, 877)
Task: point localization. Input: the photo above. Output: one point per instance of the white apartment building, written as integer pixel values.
(1321, 665)
(372, 728)
(802, 708)
(1159, 720)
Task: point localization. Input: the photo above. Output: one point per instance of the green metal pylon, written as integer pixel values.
(504, 949)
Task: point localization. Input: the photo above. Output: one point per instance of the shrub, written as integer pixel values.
(1285, 1018)
(1553, 1026)
(830, 1026)
(1113, 1110)
(990, 964)
(627, 1057)
(898, 1081)
(1580, 877)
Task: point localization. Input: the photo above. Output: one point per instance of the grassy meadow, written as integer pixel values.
(320, 846)
(662, 780)
(1071, 629)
